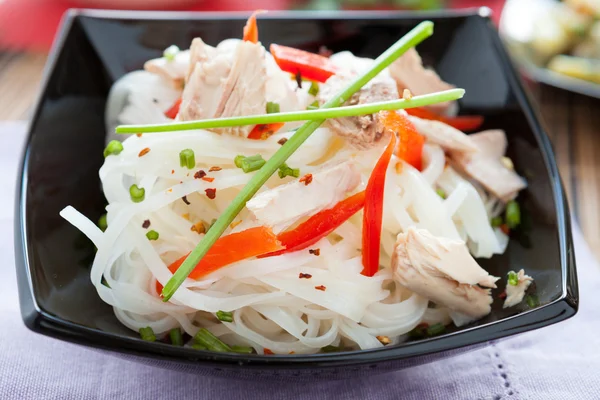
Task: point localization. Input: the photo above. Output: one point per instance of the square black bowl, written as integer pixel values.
(64, 152)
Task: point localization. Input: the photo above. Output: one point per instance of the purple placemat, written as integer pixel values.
(557, 362)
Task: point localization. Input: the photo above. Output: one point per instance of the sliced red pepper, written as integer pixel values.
(319, 225)
(410, 146)
(251, 29)
(373, 214)
(263, 131)
(463, 122)
(310, 66)
(174, 110)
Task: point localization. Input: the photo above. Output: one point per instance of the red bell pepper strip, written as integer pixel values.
(373, 214)
(319, 225)
(251, 29)
(462, 122)
(310, 66)
(174, 110)
(410, 146)
(263, 131)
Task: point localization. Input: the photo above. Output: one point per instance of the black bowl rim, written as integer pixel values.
(40, 321)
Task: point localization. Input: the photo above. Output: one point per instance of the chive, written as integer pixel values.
(513, 278)
(252, 163)
(415, 36)
(513, 214)
(187, 158)
(284, 171)
(176, 337)
(210, 341)
(311, 114)
(272, 108)
(102, 223)
(532, 300)
(170, 52)
(441, 193)
(197, 346)
(238, 160)
(225, 316)
(152, 235)
(242, 349)
(147, 334)
(137, 193)
(436, 329)
(314, 89)
(496, 222)
(114, 147)
(331, 349)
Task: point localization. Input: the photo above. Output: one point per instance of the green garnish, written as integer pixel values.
(147, 334)
(113, 148)
(331, 349)
(176, 337)
(137, 193)
(225, 316)
(272, 108)
(496, 222)
(152, 235)
(441, 193)
(513, 214)
(513, 278)
(170, 52)
(242, 349)
(198, 346)
(532, 300)
(102, 224)
(418, 332)
(317, 114)
(249, 164)
(415, 36)
(313, 106)
(284, 171)
(314, 89)
(210, 341)
(187, 158)
(436, 329)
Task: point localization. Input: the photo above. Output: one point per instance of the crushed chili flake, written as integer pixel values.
(211, 193)
(505, 229)
(307, 179)
(144, 152)
(172, 171)
(384, 339)
(316, 252)
(321, 288)
(146, 224)
(215, 168)
(406, 94)
(208, 179)
(502, 295)
(268, 351)
(185, 216)
(292, 352)
(302, 275)
(198, 227)
(398, 167)
(199, 174)
(138, 134)
(169, 191)
(185, 200)
(282, 141)
(235, 223)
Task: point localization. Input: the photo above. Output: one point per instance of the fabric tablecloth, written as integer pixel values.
(557, 362)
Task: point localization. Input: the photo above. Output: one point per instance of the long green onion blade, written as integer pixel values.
(210, 341)
(306, 115)
(411, 39)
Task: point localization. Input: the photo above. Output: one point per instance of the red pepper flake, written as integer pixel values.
(504, 228)
(302, 275)
(292, 352)
(138, 134)
(316, 252)
(200, 174)
(198, 227)
(172, 171)
(146, 224)
(321, 288)
(268, 352)
(306, 179)
(208, 179)
(502, 295)
(215, 168)
(169, 191)
(144, 152)
(211, 193)
(282, 141)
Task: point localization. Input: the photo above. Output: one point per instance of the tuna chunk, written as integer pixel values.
(364, 131)
(486, 166)
(281, 206)
(175, 71)
(409, 73)
(443, 271)
(515, 294)
(448, 137)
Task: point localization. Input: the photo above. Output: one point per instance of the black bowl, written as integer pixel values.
(64, 152)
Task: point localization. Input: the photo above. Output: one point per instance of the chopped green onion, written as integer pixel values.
(513, 214)
(496, 222)
(419, 332)
(187, 158)
(441, 193)
(137, 193)
(284, 171)
(152, 235)
(408, 41)
(102, 224)
(272, 108)
(225, 316)
(513, 278)
(176, 337)
(147, 334)
(170, 52)
(242, 349)
(249, 164)
(436, 329)
(238, 160)
(114, 147)
(103, 281)
(198, 346)
(314, 89)
(210, 341)
(331, 349)
(313, 106)
(532, 300)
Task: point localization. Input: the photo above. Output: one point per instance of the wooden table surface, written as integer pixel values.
(572, 121)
